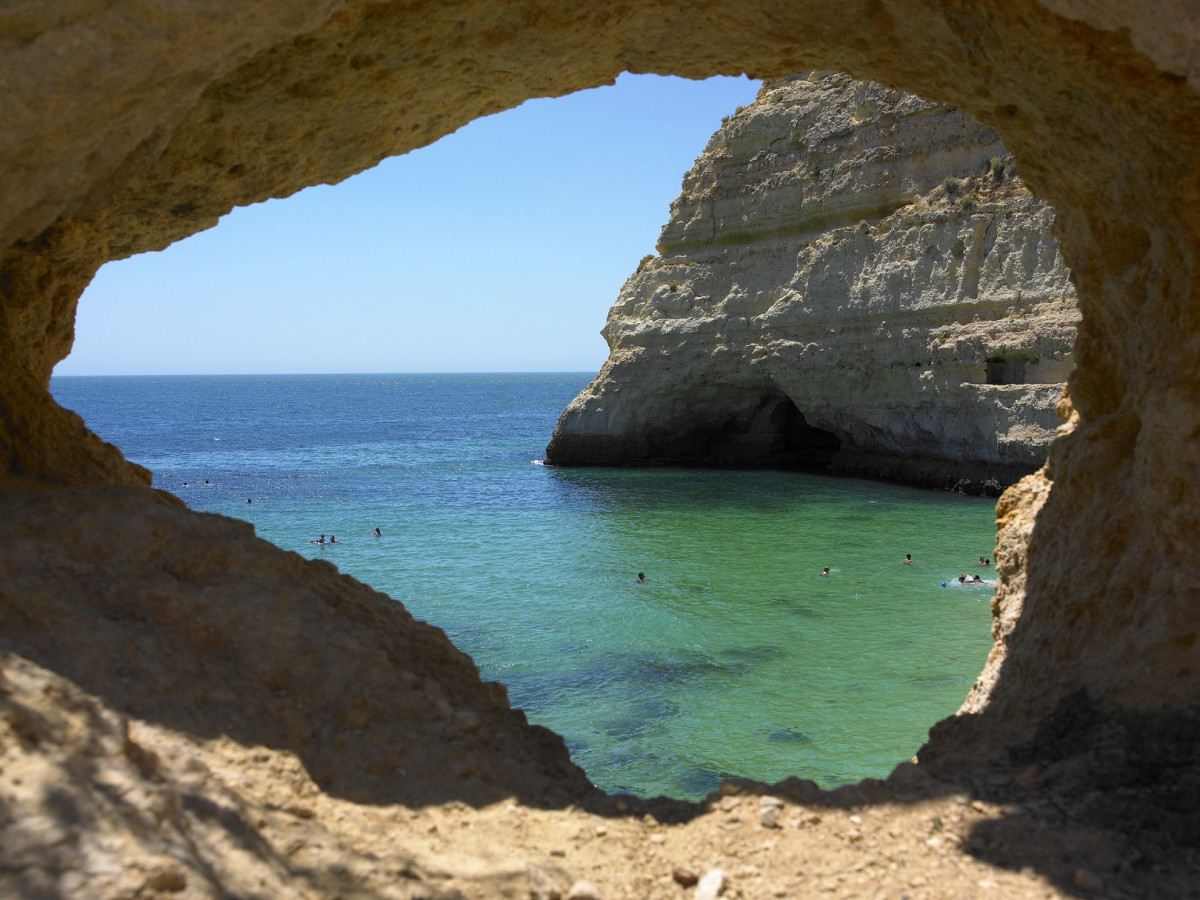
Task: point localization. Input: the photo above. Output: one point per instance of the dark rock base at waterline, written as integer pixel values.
(976, 479)
(637, 453)
(758, 432)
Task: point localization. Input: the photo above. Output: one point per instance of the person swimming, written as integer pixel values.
(333, 539)
(908, 559)
(320, 540)
(378, 533)
(981, 562)
(641, 579)
(962, 579)
(826, 571)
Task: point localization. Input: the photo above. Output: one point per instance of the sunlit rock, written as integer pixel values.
(129, 127)
(852, 278)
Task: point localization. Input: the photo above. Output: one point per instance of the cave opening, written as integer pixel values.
(804, 446)
(1101, 110)
(731, 429)
(756, 429)
(768, 431)
(1006, 370)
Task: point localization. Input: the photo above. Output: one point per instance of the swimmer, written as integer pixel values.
(248, 500)
(962, 579)
(333, 539)
(908, 559)
(826, 572)
(378, 533)
(981, 562)
(641, 579)
(987, 562)
(977, 580)
(319, 540)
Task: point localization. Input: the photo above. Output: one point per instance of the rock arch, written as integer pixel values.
(125, 131)
(718, 426)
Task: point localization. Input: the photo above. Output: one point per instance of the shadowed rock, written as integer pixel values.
(125, 131)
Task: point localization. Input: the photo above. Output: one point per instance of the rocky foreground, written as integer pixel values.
(99, 805)
(247, 723)
(126, 131)
(852, 278)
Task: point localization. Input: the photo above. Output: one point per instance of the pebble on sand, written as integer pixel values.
(770, 809)
(583, 890)
(711, 885)
(684, 875)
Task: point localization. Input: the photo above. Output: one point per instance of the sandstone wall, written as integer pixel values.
(850, 259)
(129, 125)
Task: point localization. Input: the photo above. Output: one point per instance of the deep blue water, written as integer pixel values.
(735, 658)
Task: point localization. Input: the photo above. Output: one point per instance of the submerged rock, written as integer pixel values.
(851, 278)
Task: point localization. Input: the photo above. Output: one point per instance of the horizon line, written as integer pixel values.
(312, 374)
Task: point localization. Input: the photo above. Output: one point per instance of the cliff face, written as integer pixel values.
(852, 276)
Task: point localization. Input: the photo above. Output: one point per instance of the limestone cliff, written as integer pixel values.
(850, 274)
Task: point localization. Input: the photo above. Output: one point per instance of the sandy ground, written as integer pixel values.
(95, 805)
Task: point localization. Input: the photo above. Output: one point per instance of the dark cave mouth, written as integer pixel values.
(768, 433)
(763, 428)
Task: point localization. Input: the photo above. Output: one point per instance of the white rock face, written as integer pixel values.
(852, 277)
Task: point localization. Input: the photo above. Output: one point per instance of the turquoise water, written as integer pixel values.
(736, 657)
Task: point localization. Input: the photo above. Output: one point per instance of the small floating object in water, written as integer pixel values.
(943, 584)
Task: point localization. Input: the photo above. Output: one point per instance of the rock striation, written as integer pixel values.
(127, 128)
(852, 277)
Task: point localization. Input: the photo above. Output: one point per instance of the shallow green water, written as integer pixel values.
(736, 657)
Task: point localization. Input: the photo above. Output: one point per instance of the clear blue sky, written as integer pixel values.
(498, 249)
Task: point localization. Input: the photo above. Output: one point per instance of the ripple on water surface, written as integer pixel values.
(736, 657)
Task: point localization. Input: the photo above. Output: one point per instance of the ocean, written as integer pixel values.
(736, 656)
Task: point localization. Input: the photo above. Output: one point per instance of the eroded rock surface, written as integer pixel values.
(852, 278)
(127, 127)
(217, 632)
(97, 803)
